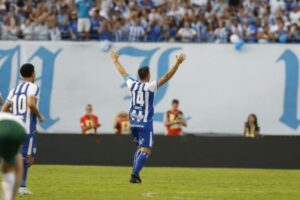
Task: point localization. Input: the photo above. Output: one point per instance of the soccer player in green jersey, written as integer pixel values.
(12, 135)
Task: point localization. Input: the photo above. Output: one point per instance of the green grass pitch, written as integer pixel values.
(50, 182)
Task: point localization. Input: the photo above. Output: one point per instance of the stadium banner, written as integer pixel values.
(217, 86)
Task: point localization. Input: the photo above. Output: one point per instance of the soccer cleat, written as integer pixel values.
(135, 179)
(24, 191)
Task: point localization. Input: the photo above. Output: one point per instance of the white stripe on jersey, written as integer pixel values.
(24, 87)
(146, 106)
(18, 88)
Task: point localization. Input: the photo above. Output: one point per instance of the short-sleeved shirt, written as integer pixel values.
(88, 121)
(142, 100)
(18, 98)
(83, 8)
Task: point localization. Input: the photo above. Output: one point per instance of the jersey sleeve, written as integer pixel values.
(129, 81)
(33, 90)
(152, 86)
(10, 96)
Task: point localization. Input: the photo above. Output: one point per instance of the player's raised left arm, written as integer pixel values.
(171, 72)
(115, 58)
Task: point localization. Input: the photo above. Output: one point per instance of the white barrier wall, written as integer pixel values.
(217, 86)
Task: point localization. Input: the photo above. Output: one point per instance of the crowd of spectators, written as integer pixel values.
(150, 20)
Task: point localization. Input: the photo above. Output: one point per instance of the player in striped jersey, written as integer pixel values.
(141, 110)
(22, 102)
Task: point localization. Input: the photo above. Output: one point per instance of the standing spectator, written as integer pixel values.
(105, 30)
(136, 31)
(122, 124)
(40, 29)
(89, 123)
(65, 29)
(13, 29)
(279, 29)
(5, 28)
(73, 28)
(295, 13)
(175, 119)
(54, 31)
(84, 23)
(264, 34)
(95, 24)
(221, 33)
(186, 33)
(27, 30)
(251, 128)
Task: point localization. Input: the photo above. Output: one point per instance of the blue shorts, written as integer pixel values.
(142, 134)
(29, 146)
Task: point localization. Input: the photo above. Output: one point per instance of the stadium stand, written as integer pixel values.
(255, 21)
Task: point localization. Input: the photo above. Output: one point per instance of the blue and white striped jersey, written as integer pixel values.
(18, 97)
(142, 99)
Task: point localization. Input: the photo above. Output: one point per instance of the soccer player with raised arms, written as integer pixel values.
(141, 110)
(22, 102)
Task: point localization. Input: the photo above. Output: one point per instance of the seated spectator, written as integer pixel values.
(186, 33)
(122, 124)
(251, 128)
(89, 123)
(294, 33)
(175, 119)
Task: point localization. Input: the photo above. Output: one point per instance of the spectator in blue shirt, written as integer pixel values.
(84, 23)
(95, 24)
(105, 31)
(154, 31)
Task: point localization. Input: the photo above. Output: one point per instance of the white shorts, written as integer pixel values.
(84, 25)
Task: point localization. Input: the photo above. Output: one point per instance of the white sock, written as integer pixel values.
(8, 183)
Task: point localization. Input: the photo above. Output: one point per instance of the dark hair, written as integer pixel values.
(27, 70)
(247, 124)
(175, 101)
(89, 105)
(144, 73)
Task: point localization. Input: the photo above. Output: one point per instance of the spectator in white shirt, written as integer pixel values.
(54, 31)
(295, 13)
(221, 33)
(27, 30)
(40, 29)
(186, 33)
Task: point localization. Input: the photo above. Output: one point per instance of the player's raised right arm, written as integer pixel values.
(115, 58)
(171, 72)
